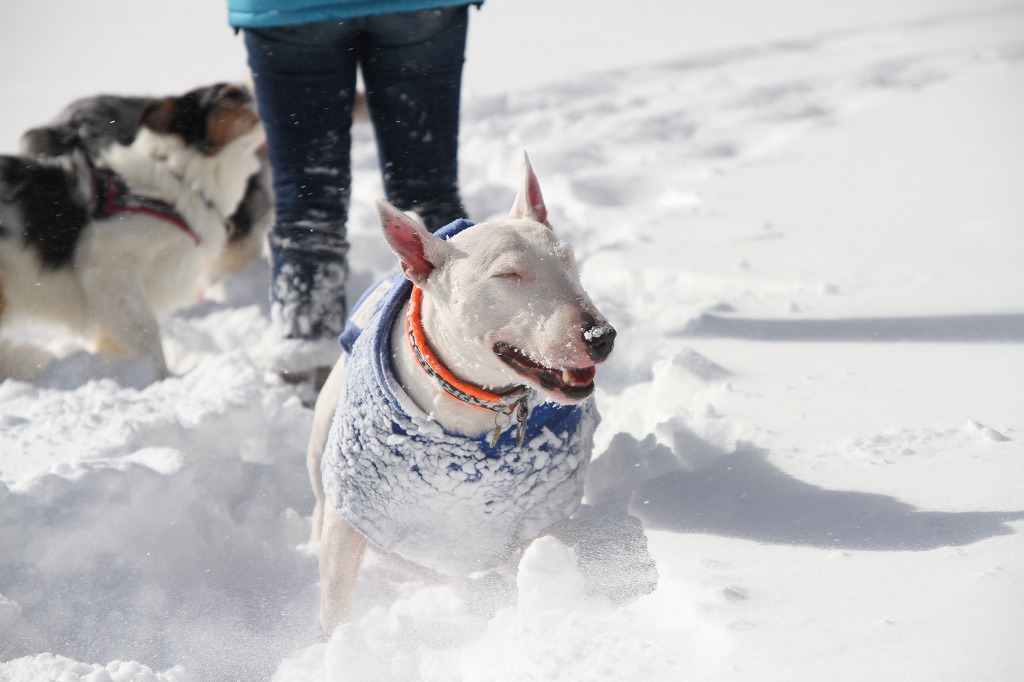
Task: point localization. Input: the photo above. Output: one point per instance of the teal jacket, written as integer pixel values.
(267, 13)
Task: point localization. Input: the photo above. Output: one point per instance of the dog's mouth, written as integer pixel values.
(575, 383)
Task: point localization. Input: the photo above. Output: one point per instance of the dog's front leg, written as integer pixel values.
(323, 415)
(341, 553)
(122, 315)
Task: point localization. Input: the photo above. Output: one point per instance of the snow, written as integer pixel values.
(803, 219)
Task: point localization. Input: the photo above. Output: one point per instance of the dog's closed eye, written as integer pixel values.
(510, 276)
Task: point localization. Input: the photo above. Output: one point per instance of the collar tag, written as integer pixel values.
(521, 412)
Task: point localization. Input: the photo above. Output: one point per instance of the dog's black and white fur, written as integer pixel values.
(111, 275)
(93, 124)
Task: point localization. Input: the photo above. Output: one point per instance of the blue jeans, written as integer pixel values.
(305, 81)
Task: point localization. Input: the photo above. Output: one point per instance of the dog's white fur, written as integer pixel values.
(132, 270)
(519, 263)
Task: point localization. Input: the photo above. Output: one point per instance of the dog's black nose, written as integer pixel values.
(600, 339)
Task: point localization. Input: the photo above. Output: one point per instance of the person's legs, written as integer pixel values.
(305, 79)
(412, 67)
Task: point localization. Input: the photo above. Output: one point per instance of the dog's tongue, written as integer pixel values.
(580, 376)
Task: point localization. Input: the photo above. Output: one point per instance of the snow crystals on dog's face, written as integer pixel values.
(503, 302)
(509, 305)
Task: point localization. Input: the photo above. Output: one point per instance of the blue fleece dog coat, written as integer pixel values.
(442, 500)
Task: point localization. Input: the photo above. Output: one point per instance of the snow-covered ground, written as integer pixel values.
(805, 221)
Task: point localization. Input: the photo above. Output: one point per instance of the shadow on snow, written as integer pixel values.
(997, 328)
(742, 495)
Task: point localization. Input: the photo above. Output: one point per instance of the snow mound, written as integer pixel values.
(174, 512)
(541, 624)
(50, 667)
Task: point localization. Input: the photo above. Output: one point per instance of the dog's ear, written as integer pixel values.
(529, 202)
(418, 250)
(159, 115)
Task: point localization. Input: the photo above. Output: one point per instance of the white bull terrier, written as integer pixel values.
(458, 425)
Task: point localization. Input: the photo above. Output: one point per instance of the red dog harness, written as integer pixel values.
(111, 196)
